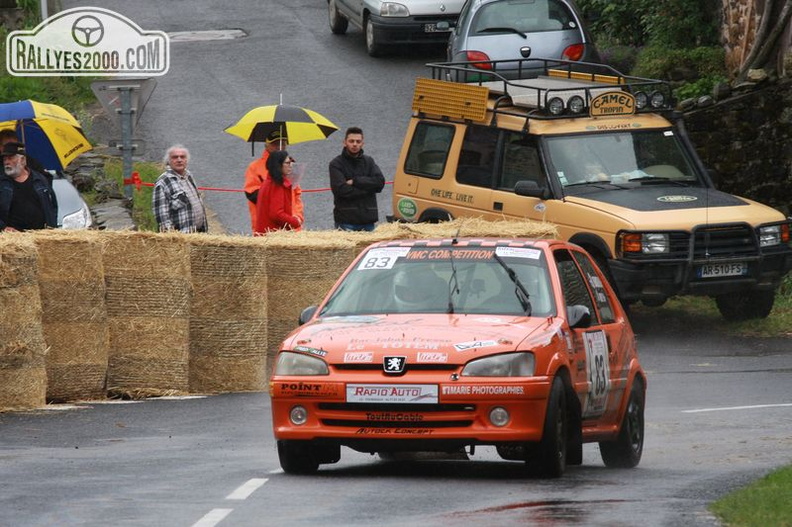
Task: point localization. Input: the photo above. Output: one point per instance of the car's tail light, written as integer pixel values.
(474, 56)
(574, 52)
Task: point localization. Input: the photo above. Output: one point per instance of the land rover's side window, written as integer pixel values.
(428, 151)
(520, 161)
(575, 290)
(477, 158)
(600, 296)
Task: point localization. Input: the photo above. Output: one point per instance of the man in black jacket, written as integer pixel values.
(355, 180)
(26, 197)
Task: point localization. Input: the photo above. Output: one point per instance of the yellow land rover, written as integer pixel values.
(604, 157)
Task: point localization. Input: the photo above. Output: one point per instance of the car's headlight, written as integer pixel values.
(506, 365)
(645, 243)
(78, 220)
(290, 363)
(393, 9)
(773, 235)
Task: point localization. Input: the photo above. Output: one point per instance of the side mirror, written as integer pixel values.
(578, 316)
(443, 26)
(527, 187)
(307, 313)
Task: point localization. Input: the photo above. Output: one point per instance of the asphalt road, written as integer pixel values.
(289, 55)
(717, 416)
(718, 410)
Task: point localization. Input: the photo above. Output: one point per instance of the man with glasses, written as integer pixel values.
(26, 197)
(176, 203)
(355, 180)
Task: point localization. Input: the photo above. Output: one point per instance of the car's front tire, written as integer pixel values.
(626, 450)
(373, 46)
(548, 458)
(297, 457)
(338, 23)
(745, 305)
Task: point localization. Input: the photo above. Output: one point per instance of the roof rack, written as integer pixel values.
(553, 88)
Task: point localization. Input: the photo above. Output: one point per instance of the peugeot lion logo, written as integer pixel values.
(87, 31)
(394, 364)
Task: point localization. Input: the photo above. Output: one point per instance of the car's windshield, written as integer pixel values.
(419, 280)
(645, 157)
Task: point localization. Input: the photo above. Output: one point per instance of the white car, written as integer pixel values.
(73, 212)
(387, 23)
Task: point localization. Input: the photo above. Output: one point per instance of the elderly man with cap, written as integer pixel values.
(26, 197)
(256, 173)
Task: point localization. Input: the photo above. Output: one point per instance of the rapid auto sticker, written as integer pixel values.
(310, 350)
(392, 393)
(681, 198)
(464, 346)
(382, 258)
(596, 345)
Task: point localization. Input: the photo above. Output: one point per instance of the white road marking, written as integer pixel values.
(699, 410)
(212, 518)
(246, 489)
(276, 471)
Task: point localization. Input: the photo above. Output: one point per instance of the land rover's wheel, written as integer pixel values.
(626, 450)
(338, 24)
(373, 45)
(297, 457)
(548, 459)
(745, 305)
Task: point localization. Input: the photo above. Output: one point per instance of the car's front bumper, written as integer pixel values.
(412, 29)
(459, 417)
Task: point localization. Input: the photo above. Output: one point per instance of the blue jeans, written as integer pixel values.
(355, 227)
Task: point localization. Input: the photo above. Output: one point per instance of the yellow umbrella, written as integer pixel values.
(297, 124)
(52, 136)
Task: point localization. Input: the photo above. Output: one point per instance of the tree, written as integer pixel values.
(768, 47)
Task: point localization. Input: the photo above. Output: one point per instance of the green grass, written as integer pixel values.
(701, 313)
(764, 503)
(141, 199)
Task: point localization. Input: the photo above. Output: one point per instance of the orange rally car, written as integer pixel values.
(442, 345)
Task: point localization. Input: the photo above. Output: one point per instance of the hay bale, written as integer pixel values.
(74, 318)
(148, 294)
(23, 376)
(300, 271)
(228, 321)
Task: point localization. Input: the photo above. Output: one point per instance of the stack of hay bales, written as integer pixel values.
(301, 268)
(74, 315)
(228, 320)
(147, 278)
(23, 375)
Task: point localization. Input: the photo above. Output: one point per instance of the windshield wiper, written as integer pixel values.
(519, 290)
(453, 283)
(501, 29)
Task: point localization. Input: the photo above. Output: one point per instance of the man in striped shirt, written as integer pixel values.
(176, 203)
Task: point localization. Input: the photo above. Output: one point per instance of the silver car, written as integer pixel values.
(73, 212)
(510, 31)
(402, 22)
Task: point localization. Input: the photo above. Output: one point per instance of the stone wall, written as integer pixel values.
(747, 140)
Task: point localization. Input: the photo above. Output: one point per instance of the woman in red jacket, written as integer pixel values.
(275, 204)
